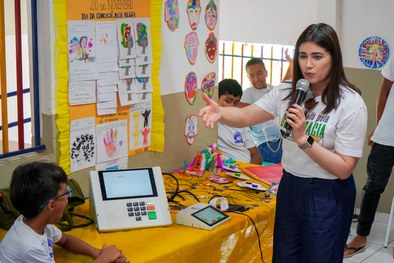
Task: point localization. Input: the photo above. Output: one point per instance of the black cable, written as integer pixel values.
(188, 192)
(174, 193)
(257, 232)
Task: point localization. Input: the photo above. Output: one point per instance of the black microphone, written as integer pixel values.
(302, 87)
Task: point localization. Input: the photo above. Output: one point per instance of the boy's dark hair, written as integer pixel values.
(33, 184)
(255, 61)
(230, 86)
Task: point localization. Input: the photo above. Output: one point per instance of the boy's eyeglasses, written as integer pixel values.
(68, 192)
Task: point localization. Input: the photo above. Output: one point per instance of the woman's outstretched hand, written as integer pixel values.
(210, 113)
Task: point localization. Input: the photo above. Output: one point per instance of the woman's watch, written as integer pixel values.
(308, 143)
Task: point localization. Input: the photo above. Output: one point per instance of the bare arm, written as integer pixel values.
(255, 156)
(105, 255)
(382, 99)
(335, 163)
(232, 116)
(381, 103)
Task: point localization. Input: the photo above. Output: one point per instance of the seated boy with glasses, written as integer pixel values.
(39, 191)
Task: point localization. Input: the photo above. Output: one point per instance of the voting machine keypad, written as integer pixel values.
(140, 210)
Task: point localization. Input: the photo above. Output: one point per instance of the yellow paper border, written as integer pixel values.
(61, 82)
(157, 136)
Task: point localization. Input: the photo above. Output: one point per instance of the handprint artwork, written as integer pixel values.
(112, 146)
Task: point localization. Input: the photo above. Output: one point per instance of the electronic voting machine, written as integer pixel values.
(129, 198)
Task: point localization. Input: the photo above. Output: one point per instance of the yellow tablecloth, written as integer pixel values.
(234, 241)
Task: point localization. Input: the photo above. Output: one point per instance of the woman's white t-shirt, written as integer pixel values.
(342, 130)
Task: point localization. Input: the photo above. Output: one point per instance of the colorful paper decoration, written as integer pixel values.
(211, 15)
(211, 47)
(193, 13)
(208, 84)
(374, 52)
(191, 87)
(191, 47)
(206, 159)
(171, 14)
(191, 129)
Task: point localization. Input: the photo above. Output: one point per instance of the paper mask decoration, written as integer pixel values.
(193, 13)
(208, 84)
(191, 87)
(171, 14)
(211, 15)
(211, 49)
(191, 129)
(191, 47)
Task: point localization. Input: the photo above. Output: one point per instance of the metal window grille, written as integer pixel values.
(20, 116)
(234, 55)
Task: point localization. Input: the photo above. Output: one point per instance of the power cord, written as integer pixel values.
(257, 232)
(173, 193)
(177, 191)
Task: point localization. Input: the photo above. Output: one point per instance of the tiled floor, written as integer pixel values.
(375, 252)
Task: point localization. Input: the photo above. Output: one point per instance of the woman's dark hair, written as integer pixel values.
(324, 36)
(33, 184)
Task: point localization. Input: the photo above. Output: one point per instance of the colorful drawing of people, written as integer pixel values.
(73, 47)
(136, 135)
(193, 13)
(171, 14)
(191, 87)
(136, 116)
(142, 36)
(127, 37)
(146, 114)
(145, 133)
(83, 44)
(211, 15)
(191, 47)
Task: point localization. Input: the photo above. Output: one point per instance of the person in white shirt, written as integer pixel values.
(235, 143)
(39, 191)
(380, 162)
(316, 195)
(266, 135)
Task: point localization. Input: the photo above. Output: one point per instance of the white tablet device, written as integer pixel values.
(201, 215)
(129, 198)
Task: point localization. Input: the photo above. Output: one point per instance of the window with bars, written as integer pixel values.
(233, 57)
(20, 116)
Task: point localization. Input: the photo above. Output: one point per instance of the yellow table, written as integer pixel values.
(233, 241)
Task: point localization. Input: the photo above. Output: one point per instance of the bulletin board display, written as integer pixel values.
(107, 89)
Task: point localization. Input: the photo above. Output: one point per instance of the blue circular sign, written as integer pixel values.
(374, 52)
